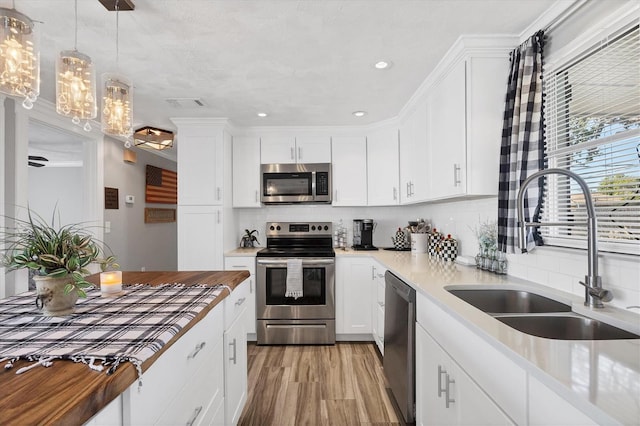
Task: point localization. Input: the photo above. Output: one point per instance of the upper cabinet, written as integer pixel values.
(414, 178)
(349, 171)
(246, 171)
(383, 167)
(465, 107)
(295, 149)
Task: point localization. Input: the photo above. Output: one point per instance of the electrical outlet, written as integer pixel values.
(143, 269)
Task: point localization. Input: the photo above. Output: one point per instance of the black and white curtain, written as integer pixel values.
(522, 149)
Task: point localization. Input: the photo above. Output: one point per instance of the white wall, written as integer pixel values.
(56, 188)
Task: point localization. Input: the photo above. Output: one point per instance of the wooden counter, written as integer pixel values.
(71, 393)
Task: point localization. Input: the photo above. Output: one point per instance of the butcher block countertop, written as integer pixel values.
(71, 393)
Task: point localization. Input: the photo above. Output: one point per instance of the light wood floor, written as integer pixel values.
(317, 385)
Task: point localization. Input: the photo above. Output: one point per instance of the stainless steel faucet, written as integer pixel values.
(594, 293)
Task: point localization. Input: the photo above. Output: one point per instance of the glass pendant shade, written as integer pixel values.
(153, 137)
(117, 105)
(19, 57)
(75, 86)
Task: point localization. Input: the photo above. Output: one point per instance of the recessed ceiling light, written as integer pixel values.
(359, 113)
(262, 114)
(382, 65)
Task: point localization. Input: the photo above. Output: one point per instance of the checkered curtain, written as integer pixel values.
(522, 150)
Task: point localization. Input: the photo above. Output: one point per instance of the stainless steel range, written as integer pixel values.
(295, 294)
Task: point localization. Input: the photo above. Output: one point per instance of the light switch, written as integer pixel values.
(107, 227)
(129, 199)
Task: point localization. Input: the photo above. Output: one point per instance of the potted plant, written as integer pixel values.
(59, 257)
(249, 238)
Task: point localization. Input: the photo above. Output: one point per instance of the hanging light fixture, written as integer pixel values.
(153, 137)
(19, 57)
(117, 99)
(76, 84)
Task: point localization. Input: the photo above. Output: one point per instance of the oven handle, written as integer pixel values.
(280, 262)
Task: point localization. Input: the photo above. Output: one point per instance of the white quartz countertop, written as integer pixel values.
(602, 378)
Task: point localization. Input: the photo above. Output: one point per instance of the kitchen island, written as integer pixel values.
(71, 393)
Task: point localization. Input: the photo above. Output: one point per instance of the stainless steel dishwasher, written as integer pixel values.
(399, 343)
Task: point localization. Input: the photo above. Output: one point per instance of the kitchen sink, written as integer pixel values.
(505, 301)
(566, 327)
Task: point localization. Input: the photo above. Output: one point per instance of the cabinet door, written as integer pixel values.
(246, 172)
(447, 133)
(432, 364)
(349, 171)
(235, 263)
(355, 291)
(547, 408)
(414, 161)
(313, 149)
(199, 238)
(277, 149)
(235, 374)
(383, 167)
(199, 170)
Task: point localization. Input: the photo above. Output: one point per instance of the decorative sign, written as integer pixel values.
(111, 198)
(159, 215)
(162, 186)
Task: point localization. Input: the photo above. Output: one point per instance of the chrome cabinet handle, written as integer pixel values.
(456, 175)
(292, 154)
(194, 416)
(373, 272)
(256, 196)
(381, 304)
(448, 399)
(299, 153)
(240, 301)
(218, 191)
(233, 358)
(395, 193)
(335, 195)
(197, 349)
(218, 216)
(408, 183)
(441, 371)
(250, 286)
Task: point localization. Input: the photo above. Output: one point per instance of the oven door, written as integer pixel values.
(318, 284)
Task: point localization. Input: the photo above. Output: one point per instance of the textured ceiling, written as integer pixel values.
(305, 63)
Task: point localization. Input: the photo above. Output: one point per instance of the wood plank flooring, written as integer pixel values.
(317, 385)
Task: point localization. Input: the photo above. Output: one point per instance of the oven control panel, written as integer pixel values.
(301, 229)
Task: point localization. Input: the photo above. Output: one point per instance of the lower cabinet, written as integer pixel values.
(184, 382)
(445, 394)
(235, 353)
(235, 263)
(354, 293)
(377, 307)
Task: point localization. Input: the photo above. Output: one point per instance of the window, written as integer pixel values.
(592, 127)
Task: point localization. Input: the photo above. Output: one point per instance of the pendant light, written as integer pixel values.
(117, 99)
(19, 57)
(76, 84)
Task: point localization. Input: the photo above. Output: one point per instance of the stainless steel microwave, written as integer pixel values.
(296, 183)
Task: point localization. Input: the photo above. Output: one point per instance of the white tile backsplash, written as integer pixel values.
(559, 268)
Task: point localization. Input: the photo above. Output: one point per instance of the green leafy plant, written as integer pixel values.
(53, 252)
(249, 238)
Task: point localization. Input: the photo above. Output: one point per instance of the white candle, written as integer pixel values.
(111, 282)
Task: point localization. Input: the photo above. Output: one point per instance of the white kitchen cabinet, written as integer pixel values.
(445, 394)
(199, 238)
(465, 110)
(248, 263)
(235, 353)
(287, 149)
(383, 167)
(377, 306)
(414, 161)
(200, 168)
(246, 172)
(184, 382)
(110, 415)
(349, 171)
(354, 292)
(547, 408)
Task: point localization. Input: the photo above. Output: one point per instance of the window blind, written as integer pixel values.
(592, 127)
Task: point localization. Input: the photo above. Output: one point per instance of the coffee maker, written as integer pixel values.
(363, 234)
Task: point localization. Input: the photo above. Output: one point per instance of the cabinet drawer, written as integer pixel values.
(233, 263)
(205, 391)
(235, 303)
(174, 370)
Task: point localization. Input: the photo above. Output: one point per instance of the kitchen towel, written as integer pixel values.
(294, 278)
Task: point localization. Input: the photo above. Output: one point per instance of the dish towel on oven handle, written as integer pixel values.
(294, 278)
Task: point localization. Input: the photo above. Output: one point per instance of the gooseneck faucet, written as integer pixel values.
(594, 293)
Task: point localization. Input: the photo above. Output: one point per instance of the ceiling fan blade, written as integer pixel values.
(37, 158)
(33, 164)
